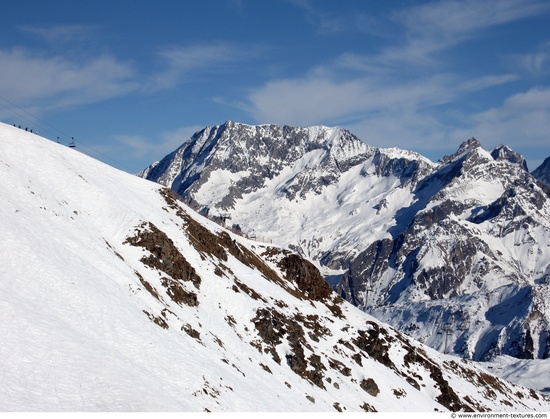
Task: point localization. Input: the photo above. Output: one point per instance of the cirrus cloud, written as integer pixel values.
(179, 62)
(59, 82)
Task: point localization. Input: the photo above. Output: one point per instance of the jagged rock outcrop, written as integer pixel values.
(251, 155)
(503, 152)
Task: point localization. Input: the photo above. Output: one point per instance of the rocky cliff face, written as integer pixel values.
(542, 173)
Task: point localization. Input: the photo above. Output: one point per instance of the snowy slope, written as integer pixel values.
(116, 297)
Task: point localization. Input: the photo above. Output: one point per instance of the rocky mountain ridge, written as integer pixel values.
(254, 177)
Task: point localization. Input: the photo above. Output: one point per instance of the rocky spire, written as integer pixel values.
(503, 152)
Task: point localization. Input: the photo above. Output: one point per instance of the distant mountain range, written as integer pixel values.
(455, 253)
(116, 296)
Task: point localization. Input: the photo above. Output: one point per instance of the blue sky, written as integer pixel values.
(131, 80)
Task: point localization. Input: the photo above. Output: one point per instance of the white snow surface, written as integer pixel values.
(76, 319)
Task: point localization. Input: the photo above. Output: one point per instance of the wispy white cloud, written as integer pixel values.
(307, 101)
(523, 120)
(485, 82)
(433, 27)
(413, 130)
(179, 63)
(318, 99)
(423, 29)
(63, 34)
(59, 82)
(404, 94)
(536, 62)
(437, 25)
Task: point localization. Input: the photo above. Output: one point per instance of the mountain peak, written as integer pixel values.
(469, 144)
(465, 147)
(503, 152)
(253, 154)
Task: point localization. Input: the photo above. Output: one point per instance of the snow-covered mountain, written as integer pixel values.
(114, 296)
(295, 186)
(468, 262)
(456, 253)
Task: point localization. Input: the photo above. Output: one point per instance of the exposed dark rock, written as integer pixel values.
(409, 171)
(187, 328)
(157, 320)
(310, 398)
(368, 408)
(399, 392)
(448, 397)
(147, 286)
(164, 255)
(339, 366)
(376, 343)
(178, 293)
(306, 277)
(542, 173)
(247, 290)
(274, 327)
(266, 368)
(370, 386)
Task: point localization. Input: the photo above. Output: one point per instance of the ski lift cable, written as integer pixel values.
(29, 117)
(97, 152)
(33, 123)
(46, 124)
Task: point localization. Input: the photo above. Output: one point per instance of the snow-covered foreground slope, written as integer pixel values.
(115, 297)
